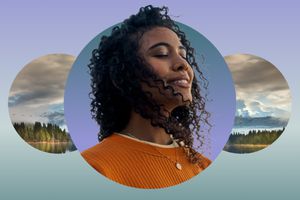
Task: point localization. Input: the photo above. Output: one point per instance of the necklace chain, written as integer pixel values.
(177, 164)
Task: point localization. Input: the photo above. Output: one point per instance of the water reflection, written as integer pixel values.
(58, 147)
(244, 148)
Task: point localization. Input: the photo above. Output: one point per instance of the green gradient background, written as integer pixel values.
(28, 173)
(269, 31)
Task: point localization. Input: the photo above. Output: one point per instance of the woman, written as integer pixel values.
(147, 101)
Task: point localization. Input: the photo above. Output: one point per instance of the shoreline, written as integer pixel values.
(43, 142)
(247, 145)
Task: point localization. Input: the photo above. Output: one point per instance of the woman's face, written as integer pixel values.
(162, 50)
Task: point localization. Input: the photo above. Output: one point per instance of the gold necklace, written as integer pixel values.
(177, 164)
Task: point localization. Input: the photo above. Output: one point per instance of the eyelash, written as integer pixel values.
(166, 55)
(161, 55)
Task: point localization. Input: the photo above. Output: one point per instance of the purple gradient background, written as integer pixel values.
(32, 28)
(221, 97)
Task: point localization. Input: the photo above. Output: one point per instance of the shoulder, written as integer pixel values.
(204, 162)
(99, 156)
(100, 150)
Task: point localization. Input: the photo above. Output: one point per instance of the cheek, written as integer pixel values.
(159, 68)
(191, 72)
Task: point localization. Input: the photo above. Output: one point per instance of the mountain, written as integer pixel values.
(268, 121)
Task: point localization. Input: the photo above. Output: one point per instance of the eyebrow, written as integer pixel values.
(164, 44)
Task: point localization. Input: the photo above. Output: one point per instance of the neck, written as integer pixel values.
(142, 129)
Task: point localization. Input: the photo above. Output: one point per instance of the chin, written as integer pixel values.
(187, 100)
(187, 97)
(171, 101)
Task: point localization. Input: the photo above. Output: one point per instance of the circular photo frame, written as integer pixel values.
(263, 103)
(36, 101)
(217, 94)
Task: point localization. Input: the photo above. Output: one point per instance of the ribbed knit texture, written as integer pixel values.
(141, 165)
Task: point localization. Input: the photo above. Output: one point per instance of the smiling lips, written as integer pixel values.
(182, 81)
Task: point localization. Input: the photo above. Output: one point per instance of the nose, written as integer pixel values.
(180, 64)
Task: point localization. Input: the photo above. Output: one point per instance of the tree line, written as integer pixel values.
(255, 137)
(39, 132)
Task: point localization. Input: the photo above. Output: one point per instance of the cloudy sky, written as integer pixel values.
(37, 92)
(260, 88)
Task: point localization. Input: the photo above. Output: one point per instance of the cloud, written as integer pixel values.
(255, 108)
(241, 109)
(35, 98)
(42, 80)
(56, 117)
(38, 86)
(259, 85)
(251, 73)
(259, 109)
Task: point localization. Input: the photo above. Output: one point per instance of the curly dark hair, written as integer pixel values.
(117, 71)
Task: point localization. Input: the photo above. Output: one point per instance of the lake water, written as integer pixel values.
(62, 147)
(244, 148)
(248, 148)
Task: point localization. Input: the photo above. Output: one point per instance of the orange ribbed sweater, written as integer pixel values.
(137, 164)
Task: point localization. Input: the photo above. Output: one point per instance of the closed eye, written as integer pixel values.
(161, 55)
(183, 56)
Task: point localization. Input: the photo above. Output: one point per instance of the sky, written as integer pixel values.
(261, 89)
(37, 93)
